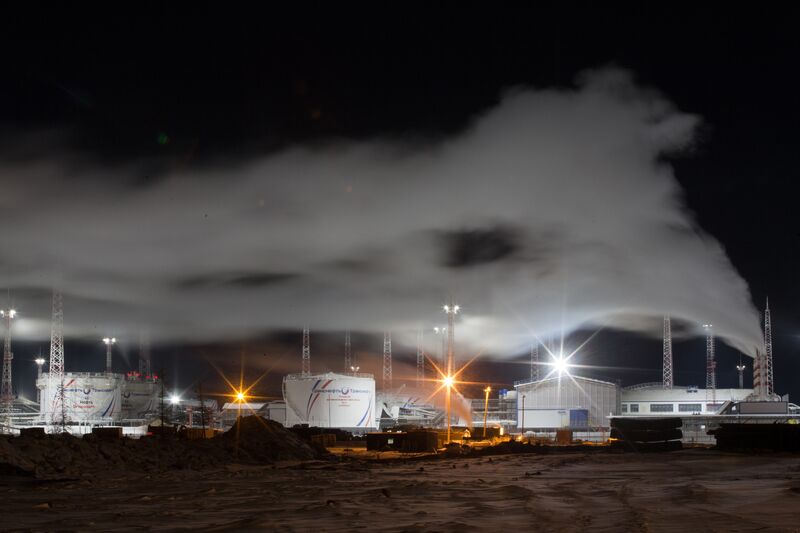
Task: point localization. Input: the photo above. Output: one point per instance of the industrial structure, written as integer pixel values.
(562, 401)
(7, 394)
(78, 401)
(535, 374)
(667, 355)
(348, 355)
(387, 360)
(306, 366)
(345, 401)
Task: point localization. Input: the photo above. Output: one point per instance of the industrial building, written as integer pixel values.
(652, 399)
(78, 401)
(566, 401)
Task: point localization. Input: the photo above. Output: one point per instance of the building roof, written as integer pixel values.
(329, 375)
(681, 394)
(564, 379)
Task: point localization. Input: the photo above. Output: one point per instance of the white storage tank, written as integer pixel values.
(344, 401)
(88, 397)
(139, 397)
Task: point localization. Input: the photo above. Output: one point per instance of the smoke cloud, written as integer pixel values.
(554, 210)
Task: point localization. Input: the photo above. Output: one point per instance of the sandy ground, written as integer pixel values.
(695, 490)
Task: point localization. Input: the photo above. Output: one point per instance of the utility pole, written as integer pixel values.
(420, 360)
(162, 414)
(202, 407)
(486, 391)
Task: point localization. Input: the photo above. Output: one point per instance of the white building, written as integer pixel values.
(652, 399)
(566, 402)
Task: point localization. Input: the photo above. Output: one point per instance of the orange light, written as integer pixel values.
(239, 396)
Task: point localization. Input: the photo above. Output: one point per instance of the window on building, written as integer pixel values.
(634, 407)
(690, 407)
(624, 407)
(661, 407)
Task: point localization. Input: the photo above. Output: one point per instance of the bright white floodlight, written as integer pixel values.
(174, 399)
(561, 365)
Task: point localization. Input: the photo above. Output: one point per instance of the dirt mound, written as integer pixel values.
(263, 440)
(252, 440)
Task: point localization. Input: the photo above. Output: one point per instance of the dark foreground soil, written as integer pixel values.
(690, 490)
(252, 440)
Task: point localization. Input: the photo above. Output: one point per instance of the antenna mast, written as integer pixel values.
(7, 394)
(306, 369)
(535, 362)
(348, 355)
(387, 360)
(57, 337)
(56, 370)
(711, 366)
(667, 368)
(144, 355)
(768, 371)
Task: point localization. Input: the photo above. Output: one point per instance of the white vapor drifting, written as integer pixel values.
(553, 210)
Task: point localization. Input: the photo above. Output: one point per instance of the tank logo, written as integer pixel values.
(345, 391)
(87, 391)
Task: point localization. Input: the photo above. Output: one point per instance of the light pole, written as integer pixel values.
(109, 341)
(39, 362)
(487, 390)
(522, 426)
(452, 311)
(741, 368)
(442, 346)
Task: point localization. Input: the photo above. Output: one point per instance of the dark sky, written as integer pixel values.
(161, 89)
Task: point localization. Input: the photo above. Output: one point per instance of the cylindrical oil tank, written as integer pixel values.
(330, 400)
(87, 397)
(139, 397)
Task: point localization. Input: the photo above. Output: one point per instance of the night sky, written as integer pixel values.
(217, 177)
